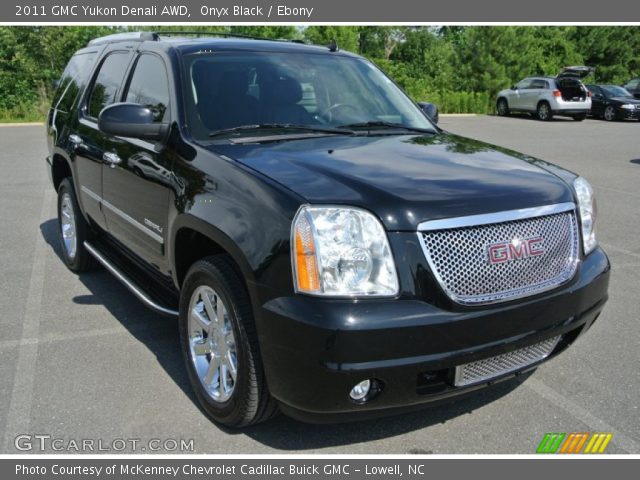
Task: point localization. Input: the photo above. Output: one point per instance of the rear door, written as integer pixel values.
(598, 100)
(534, 93)
(576, 72)
(138, 176)
(88, 143)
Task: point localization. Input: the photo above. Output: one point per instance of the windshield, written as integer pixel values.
(615, 91)
(320, 91)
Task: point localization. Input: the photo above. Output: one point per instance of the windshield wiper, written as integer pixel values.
(381, 123)
(283, 126)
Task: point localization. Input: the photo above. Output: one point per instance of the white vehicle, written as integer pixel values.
(545, 97)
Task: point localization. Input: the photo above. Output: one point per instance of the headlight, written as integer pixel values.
(588, 211)
(628, 106)
(341, 251)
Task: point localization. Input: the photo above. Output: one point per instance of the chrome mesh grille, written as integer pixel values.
(459, 258)
(492, 367)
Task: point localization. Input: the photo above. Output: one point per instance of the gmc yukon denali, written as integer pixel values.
(328, 251)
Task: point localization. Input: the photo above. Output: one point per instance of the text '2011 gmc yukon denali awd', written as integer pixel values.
(328, 251)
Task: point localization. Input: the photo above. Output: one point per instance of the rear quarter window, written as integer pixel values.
(73, 78)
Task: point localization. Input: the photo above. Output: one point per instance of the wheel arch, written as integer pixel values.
(202, 239)
(60, 169)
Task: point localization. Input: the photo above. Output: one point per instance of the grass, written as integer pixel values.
(21, 115)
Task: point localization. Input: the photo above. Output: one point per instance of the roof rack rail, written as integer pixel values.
(125, 37)
(225, 34)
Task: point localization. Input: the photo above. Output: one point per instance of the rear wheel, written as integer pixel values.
(609, 113)
(220, 345)
(544, 112)
(502, 107)
(73, 230)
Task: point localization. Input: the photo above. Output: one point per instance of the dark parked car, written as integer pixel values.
(612, 102)
(328, 251)
(633, 86)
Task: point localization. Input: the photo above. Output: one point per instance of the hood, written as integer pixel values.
(407, 179)
(576, 72)
(631, 100)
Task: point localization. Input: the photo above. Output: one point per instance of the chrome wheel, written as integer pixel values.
(68, 226)
(212, 343)
(609, 113)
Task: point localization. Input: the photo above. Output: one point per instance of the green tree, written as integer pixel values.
(346, 37)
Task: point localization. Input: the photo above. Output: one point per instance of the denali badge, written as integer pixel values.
(516, 249)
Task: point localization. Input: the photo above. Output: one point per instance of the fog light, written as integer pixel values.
(361, 390)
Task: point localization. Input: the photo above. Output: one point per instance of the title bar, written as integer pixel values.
(321, 11)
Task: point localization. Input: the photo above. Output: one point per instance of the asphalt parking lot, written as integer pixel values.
(81, 358)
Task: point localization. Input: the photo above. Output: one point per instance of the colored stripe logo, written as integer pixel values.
(575, 442)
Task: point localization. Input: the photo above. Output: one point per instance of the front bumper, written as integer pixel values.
(627, 114)
(315, 350)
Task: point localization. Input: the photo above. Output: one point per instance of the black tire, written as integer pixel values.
(250, 402)
(580, 118)
(543, 112)
(77, 260)
(502, 107)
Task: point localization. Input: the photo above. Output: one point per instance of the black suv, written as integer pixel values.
(327, 249)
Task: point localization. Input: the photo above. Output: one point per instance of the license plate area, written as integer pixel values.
(489, 368)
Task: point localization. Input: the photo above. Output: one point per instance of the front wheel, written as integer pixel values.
(73, 230)
(609, 113)
(544, 112)
(220, 345)
(502, 107)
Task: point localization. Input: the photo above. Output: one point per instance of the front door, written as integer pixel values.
(137, 175)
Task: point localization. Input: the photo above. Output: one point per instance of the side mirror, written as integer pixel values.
(431, 110)
(131, 120)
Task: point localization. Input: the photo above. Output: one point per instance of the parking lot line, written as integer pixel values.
(609, 246)
(55, 337)
(595, 423)
(19, 412)
(616, 190)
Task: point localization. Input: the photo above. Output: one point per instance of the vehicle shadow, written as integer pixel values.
(160, 335)
(526, 116)
(157, 332)
(284, 433)
(635, 160)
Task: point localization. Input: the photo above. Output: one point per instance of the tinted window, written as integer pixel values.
(107, 82)
(539, 84)
(524, 84)
(593, 89)
(243, 88)
(633, 84)
(72, 79)
(149, 86)
(615, 91)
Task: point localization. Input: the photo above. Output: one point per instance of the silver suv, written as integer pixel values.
(545, 97)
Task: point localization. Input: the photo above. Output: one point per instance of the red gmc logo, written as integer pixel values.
(516, 249)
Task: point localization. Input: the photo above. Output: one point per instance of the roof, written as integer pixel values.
(221, 41)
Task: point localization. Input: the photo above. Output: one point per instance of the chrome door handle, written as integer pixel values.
(111, 158)
(75, 139)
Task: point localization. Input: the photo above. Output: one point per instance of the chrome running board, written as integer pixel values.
(127, 282)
